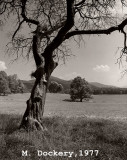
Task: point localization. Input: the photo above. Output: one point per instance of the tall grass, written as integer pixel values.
(64, 134)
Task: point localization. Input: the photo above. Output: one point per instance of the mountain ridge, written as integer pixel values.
(101, 85)
(66, 83)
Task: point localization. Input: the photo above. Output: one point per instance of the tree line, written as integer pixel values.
(10, 84)
(110, 90)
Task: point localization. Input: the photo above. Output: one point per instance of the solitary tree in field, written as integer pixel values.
(79, 89)
(44, 28)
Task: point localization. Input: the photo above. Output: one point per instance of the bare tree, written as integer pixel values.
(49, 25)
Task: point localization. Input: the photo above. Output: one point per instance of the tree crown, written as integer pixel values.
(60, 20)
(80, 89)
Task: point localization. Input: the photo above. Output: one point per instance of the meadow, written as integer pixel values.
(80, 128)
(101, 106)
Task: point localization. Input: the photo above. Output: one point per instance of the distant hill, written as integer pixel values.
(66, 84)
(28, 84)
(100, 85)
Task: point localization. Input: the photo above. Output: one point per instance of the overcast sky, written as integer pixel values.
(95, 61)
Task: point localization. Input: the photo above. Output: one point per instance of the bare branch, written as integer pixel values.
(28, 20)
(80, 3)
(44, 33)
(61, 20)
(125, 40)
(17, 29)
(68, 25)
(100, 31)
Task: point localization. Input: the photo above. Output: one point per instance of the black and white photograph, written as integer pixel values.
(63, 79)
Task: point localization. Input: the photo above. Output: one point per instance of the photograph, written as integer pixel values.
(63, 80)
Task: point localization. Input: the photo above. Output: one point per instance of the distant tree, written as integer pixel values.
(4, 74)
(79, 89)
(13, 83)
(21, 86)
(4, 88)
(60, 88)
(53, 87)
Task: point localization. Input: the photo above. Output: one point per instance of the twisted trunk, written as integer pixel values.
(33, 115)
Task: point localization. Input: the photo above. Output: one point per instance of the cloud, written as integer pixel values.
(2, 66)
(70, 76)
(101, 68)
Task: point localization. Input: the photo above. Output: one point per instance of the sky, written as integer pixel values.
(95, 60)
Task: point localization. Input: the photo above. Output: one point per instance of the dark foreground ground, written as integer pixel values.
(66, 138)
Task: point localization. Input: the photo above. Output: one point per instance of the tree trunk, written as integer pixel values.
(80, 99)
(33, 115)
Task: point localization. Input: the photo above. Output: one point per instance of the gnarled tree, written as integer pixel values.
(43, 29)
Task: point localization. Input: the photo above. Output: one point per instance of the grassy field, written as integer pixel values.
(75, 135)
(106, 106)
(72, 127)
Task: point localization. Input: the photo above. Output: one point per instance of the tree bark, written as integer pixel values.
(33, 115)
(32, 119)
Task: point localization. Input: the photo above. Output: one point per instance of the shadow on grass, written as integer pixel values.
(69, 100)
